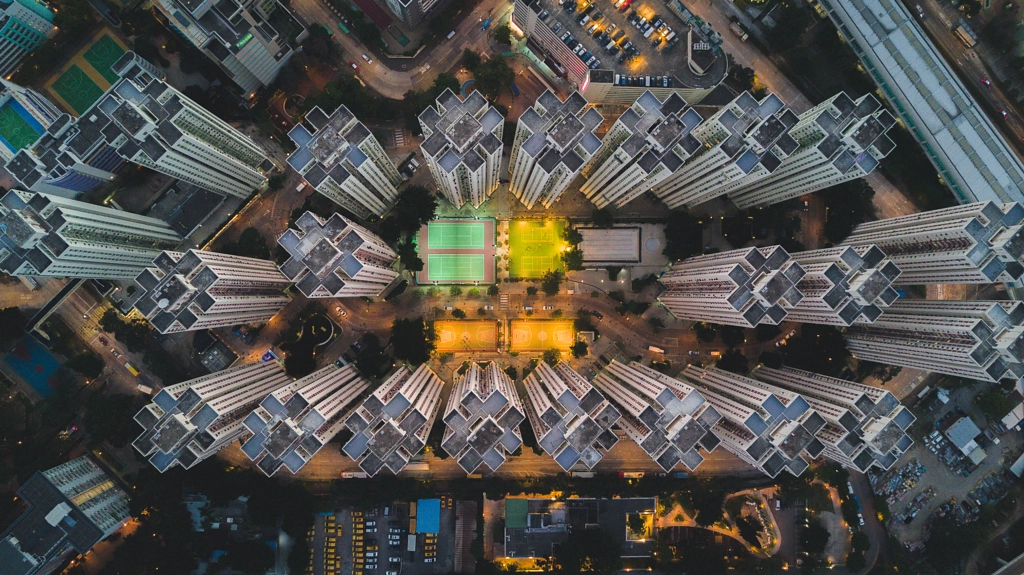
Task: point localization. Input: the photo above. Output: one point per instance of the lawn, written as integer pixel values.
(538, 335)
(535, 248)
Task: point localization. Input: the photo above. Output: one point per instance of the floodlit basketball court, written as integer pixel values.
(535, 248)
(538, 335)
(456, 336)
(456, 252)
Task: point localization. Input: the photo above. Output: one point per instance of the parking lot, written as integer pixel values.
(380, 541)
(616, 39)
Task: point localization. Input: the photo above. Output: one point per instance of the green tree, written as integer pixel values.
(732, 335)
(552, 357)
(602, 218)
(531, 290)
(13, 322)
(470, 59)
(613, 273)
(819, 349)
(848, 205)
(299, 364)
(371, 360)
(131, 334)
(413, 339)
(579, 349)
(413, 209)
(748, 531)
(551, 282)
(458, 314)
(705, 332)
(455, 291)
(572, 258)
(503, 34)
(635, 523)
(733, 361)
(408, 255)
(684, 236)
(249, 556)
(86, 363)
(108, 417)
(815, 537)
(771, 359)
(512, 372)
(493, 75)
(492, 290)
(592, 550)
(707, 503)
(855, 562)
(276, 182)
(993, 402)
(860, 542)
(250, 244)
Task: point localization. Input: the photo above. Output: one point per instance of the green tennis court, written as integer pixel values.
(455, 235)
(15, 130)
(456, 267)
(102, 55)
(77, 89)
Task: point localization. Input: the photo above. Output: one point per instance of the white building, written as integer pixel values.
(648, 143)
(462, 145)
(844, 285)
(198, 290)
(666, 417)
(482, 419)
(392, 425)
(32, 107)
(554, 140)
(250, 41)
(966, 148)
(70, 508)
(571, 420)
(24, 26)
(193, 420)
(293, 423)
(342, 160)
(977, 243)
(43, 235)
(144, 120)
(973, 339)
(769, 427)
(336, 258)
(840, 140)
(741, 287)
(866, 426)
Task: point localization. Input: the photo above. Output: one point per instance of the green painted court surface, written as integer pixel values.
(15, 129)
(535, 247)
(455, 236)
(456, 267)
(102, 55)
(77, 89)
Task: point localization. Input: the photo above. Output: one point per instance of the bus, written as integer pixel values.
(330, 33)
(131, 369)
(343, 28)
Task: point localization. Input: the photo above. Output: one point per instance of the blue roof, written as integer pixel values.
(428, 515)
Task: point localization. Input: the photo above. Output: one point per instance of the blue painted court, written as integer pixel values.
(34, 364)
(428, 515)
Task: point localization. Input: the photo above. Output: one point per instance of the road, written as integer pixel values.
(872, 526)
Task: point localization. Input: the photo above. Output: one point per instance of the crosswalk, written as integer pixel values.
(503, 301)
(399, 136)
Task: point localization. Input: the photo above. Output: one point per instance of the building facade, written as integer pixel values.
(554, 140)
(648, 143)
(293, 423)
(24, 26)
(198, 290)
(43, 235)
(392, 425)
(482, 419)
(669, 419)
(462, 146)
(336, 258)
(977, 243)
(571, 420)
(193, 420)
(342, 160)
(141, 119)
(250, 41)
(970, 154)
(71, 507)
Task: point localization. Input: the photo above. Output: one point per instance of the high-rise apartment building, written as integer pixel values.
(768, 427)
(975, 243)
(392, 425)
(648, 143)
(865, 426)
(970, 154)
(741, 143)
(43, 235)
(482, 419)
(70, 508)
(144, 120)
(554, 140)
(250, 41)
(198, 290)
(974, 339)
(31, 110)
(840, 140)
(844, 285)
(666, 417)
(336, 258)
(411, 12)
(24, 26)
(462, 146)
(571, 420)
(193, 420)
(342, 160)
(294, 422)
(741, 287)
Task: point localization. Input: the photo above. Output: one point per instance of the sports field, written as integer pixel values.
(456, 252)
(538, 335)
(87, 75)
(457, 336)
(535, 247)
(18, 129)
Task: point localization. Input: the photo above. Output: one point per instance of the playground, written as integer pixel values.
(538, 335)
(456, 252)
(88, 74)
(535, 247)
(456, 336)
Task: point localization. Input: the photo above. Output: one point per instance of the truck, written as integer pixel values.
(631, 474)
(300, 187)
(655, 349)
(145, 389)
(738, 31)
(487, 23)
(354, 475)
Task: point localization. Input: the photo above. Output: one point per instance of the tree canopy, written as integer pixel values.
(818, 348)
(131, 334)
(493, 75)
(414, 208)
(250, 244)
(86, 363)
(551, 282)
(412, 340)
(684, 236)
(371, 360)
(470, 59)
(848, 205)
(13, 322)
(592, 550)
